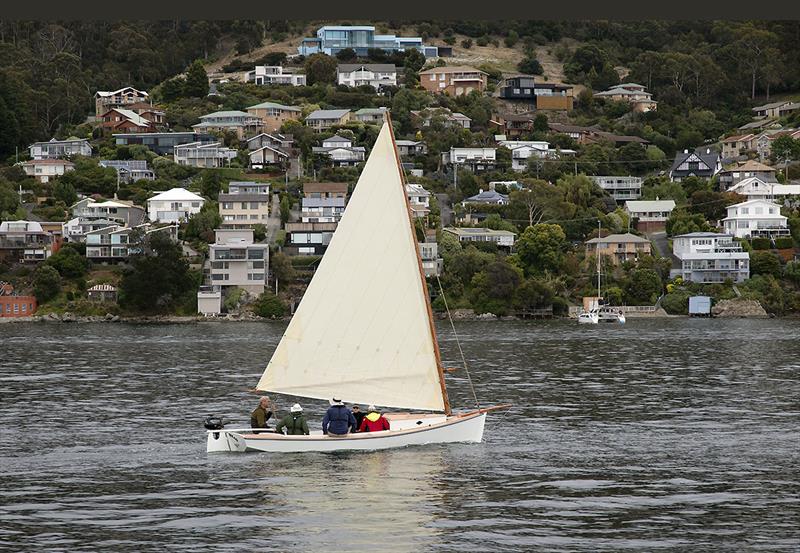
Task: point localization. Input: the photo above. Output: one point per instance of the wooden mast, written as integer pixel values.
(438, 354)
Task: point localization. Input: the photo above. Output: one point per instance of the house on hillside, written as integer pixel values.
(650, 215)
(125, 120)
(235, 259)
(595, 135)
(703, 163)
(454, 80)
(620, 188)
(332, 39)
(323, 119)
(376, 75)
(340, 150)
(25, 241)
(635, 94)
(774, 110)
(419, 200)
(371, 116)
(274, 115)
(710, 257)
(524, 150)
(424, 118)
(274, 74)
(238, 122)
(106, 100)
(487, 197)
(204, 155)
(542, 96)
(129, 170)
(45, 169)
(619, 247)
(245, 205)
(745, 170)
(13, 304)
(174, 205)
(411, 148)
(162, 143)
(503, 238)
(90, 215)
(756, 219)
(755, 188)
(737, 145)
(59, 149)
(323, 202)
(474, 159)
(116, 243)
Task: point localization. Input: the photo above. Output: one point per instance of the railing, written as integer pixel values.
(575, 309)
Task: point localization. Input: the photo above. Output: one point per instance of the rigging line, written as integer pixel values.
(458, 343)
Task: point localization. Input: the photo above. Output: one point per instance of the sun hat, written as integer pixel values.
(296, 408)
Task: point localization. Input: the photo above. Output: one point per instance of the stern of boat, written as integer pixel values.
(224, 441)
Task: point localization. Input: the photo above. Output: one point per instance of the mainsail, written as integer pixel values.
(362, 331)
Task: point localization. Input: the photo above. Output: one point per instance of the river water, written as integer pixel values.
(662, 435)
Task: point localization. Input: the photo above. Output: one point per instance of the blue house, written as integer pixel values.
(332, 39)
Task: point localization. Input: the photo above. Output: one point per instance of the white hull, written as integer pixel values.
(410, 431)
(588, 318)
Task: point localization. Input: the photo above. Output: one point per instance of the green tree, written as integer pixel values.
(346, 54)
(541, 248)
(196, 85)
(765, 263)
(269, 306)
(69, 262)
(9, 199)
(211, 184)
(644, 287)
(533, 294)
(281, 267)
(493, 288)
(286, 208)
(65, 192)
(259, 232)
(201, 225)
(46, 283)
(530, 66)
(157, 279)
(320, 68)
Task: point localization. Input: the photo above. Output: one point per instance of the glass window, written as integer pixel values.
(253, 205)
(255, 254)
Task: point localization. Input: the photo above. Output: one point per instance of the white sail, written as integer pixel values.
(362, 331)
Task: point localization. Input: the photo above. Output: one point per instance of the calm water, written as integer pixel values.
(668, 435)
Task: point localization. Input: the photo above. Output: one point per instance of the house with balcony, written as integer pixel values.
(234, 259)
(710, 257)
(245, 205)
(503, 238)
(308, 238)
(25, 241)
(174, 206)
(323, 119)
(523, 150)
(371, 116)
(756, 219)
(323, 202)
(635, 94)
(650, 215)
(340, 151)
(703, 163)
(239, 122)
(207, 155)
(474, 159)
(273, 75)
(754, 188)
(728, 178)
(454, 80)
(376, 75)
(162, 143)
(411, 148)
(774, 110)
(125, 121)
(117, 243)
(619, 247)
(419, 200)
(89, 214)
(620, 188)
(595, 135)
(274, 115)
(129, 170)
(60, 149)
(270, 149)
(737, 145)
(332, 39)
(424, 118)
(541, 96)
(45, 170)
(105, 100)
(766, 138)
(432, 264)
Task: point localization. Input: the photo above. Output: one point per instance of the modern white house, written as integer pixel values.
(126, 96)
(503, 238)
(45, 169)
(754, 188)
(419, 200)
(274, 74)
(236, 260)
(116, 243)
(474, 159)
(708, 257)
(340, 150)
(620, 188)
(523, 150)
(203, 154)
(130, 170)
(89, 215)
(174, 205)
(756, 219)
(56, 149)
(650, 214)
(376, 75)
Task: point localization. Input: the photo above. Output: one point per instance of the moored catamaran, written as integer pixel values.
(364, 330)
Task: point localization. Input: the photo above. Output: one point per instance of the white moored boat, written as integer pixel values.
(364, 332)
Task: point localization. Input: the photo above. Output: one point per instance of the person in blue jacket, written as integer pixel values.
(338, 419)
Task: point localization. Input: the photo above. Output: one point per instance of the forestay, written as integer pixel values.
(362, 330)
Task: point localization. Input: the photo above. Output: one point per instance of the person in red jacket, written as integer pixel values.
(373, 421)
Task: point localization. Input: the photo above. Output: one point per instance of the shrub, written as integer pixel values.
(676, 303)
(269, 306)
(760, 243)
(784, 242)
(46, 283)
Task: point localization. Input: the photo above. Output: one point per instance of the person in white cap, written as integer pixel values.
(294, 423)
(338, 420)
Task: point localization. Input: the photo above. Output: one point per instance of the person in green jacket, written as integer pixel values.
(294, 423)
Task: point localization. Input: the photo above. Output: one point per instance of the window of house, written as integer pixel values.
(253, 205)
(433, 76)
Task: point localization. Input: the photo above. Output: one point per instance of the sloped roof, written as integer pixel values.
(626, 238)
(374, 67)
(706, 155)
(328, 114)
(273, 105)
(176, 194)
(452, 69)
(638, 206)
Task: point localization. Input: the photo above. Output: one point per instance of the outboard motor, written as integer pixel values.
(213, 422)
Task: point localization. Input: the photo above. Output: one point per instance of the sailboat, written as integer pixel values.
(600, 313)
(364, 331)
